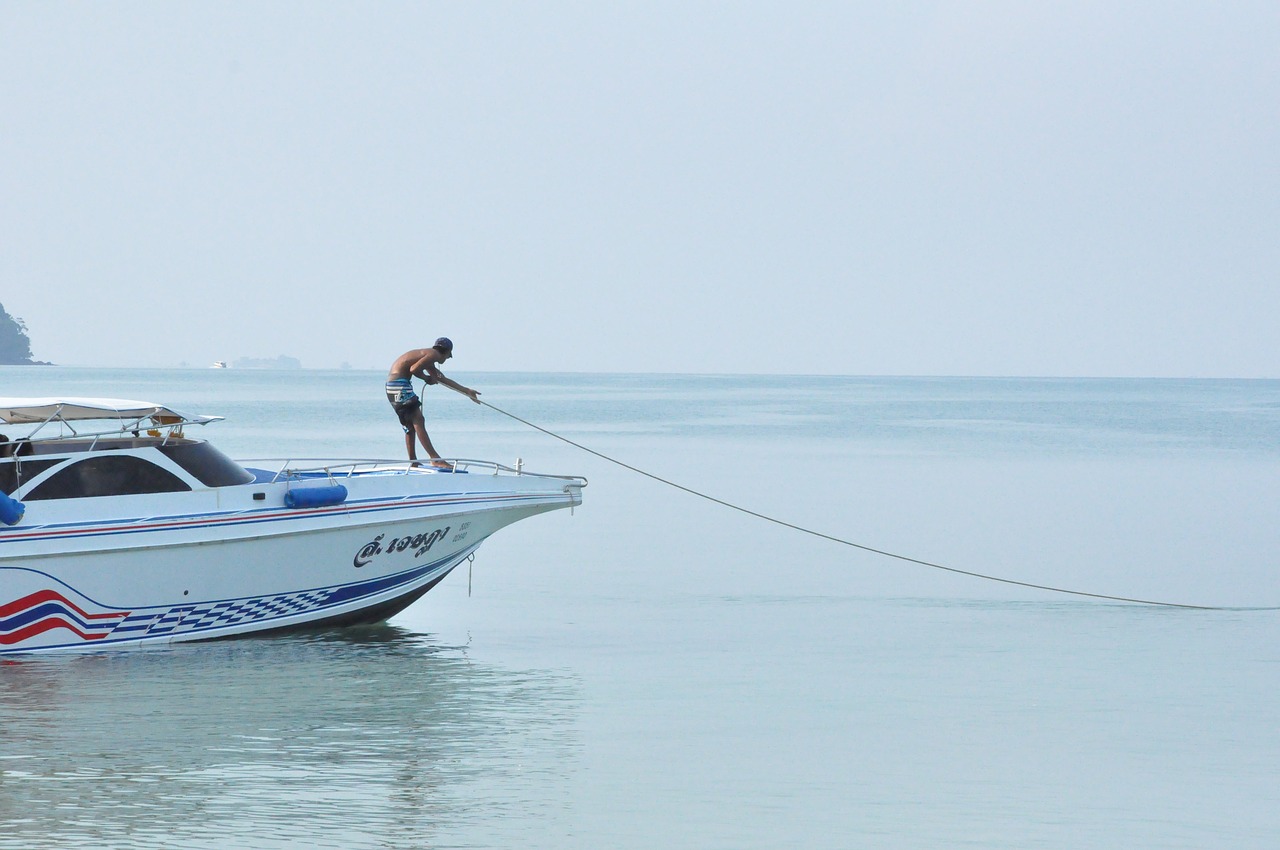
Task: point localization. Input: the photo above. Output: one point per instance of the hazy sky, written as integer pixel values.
(987, 188)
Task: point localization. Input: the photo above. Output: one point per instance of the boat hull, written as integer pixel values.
(220, 573)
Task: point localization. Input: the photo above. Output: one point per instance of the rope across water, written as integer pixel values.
(864, 548)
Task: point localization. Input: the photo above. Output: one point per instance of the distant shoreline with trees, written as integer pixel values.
(15, 345)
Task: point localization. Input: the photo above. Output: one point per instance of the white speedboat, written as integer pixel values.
(131, 533)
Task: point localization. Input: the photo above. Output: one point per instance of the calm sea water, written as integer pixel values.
(655, 670)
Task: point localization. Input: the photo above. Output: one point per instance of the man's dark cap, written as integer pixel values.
(444, 344)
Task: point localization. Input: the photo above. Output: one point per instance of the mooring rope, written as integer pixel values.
(842, 541)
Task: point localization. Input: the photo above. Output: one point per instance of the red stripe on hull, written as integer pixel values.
(42, 626)
(40, 596)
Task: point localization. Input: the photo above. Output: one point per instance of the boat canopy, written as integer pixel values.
(43, 410)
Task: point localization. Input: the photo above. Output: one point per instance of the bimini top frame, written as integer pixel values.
(131, 416)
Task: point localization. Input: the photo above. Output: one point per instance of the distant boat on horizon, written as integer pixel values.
(219, 364)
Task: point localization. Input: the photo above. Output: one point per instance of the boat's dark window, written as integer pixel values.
(210, 466)
(14, 472)
(108, 475)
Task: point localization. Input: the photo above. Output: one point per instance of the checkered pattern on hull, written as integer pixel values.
(211, 616)
(190, 618)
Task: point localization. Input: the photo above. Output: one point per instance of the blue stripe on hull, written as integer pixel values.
(194, 522)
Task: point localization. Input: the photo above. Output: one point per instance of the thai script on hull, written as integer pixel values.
(420, 544)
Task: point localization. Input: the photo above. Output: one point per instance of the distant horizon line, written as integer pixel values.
(919, 375)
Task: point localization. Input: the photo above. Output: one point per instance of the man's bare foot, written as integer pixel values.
(442, 464)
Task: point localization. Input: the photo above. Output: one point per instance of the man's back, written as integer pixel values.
(403, 365)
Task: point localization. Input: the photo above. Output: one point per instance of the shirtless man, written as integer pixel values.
(420, 363)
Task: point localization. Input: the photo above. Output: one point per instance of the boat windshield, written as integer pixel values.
(107, 475)
(14, 472)
(209, 466)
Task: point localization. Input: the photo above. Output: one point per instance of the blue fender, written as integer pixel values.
(11, 510)
(316, 497)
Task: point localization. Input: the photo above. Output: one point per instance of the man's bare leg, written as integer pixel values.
(420, 426)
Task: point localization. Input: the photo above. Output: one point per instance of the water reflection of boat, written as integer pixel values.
(295, 741)
(135, 534)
